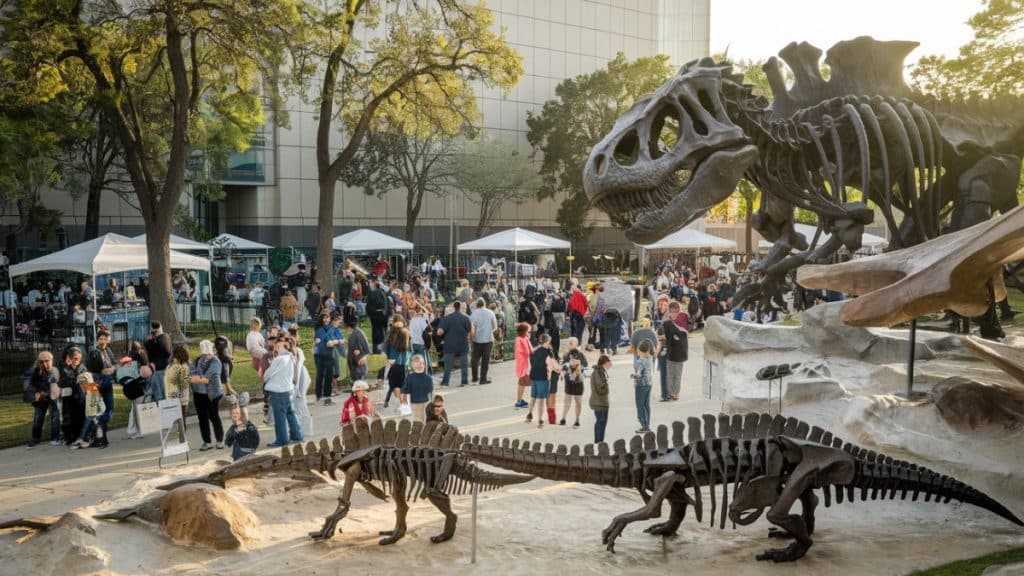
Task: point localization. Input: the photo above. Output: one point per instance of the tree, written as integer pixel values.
(992, 64)
(419, 64)
(989, 66)
(168, 75)
(28, 150)
(582, 112)
(491, 174)
(390, 160)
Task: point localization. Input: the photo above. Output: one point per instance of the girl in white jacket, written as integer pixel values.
(302, 383)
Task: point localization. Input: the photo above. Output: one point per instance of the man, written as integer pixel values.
(102, 364)
(158, 348)
(378, 311)
(344, 293)
(455, 329)
(142, 292)
(485, 324)
(358, 349)
(677, 351)
(313, 302)
(577, 312)
(279, 383)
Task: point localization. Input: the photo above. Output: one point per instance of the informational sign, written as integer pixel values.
(149, 418)
(171, 420)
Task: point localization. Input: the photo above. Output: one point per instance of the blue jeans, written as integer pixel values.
(286, 425)
(663, 376)
(600, 424)
(643, 405)
(107, 392)
(449, 361)
(576, 323)
(156, 386)
(325, 368)
(39, 417)
(422, 351)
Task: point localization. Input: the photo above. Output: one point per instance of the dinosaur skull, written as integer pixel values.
(671, 157)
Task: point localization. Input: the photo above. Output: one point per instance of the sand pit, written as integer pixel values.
(537, 528)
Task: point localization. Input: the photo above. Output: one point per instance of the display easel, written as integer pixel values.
(167, 417)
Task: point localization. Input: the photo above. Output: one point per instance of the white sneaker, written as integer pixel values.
(54, 442)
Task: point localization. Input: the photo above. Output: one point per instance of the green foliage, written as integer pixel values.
(991, 64)
(583, 111)
(975, 566)
(29, 149)
(491, 173)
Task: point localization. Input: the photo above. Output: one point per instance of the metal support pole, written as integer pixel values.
(472, 554)
(910, 359)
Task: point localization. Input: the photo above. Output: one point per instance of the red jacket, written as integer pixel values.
(578, 303)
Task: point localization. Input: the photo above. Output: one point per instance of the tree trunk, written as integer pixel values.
(413, 203)
(92, 209)
(161, 305)
(325, 230)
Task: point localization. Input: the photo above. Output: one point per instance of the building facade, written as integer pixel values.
(271, 192)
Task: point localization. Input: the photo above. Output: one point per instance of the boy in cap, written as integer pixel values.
(94, 408)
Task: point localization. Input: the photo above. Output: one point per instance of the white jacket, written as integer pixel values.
(280, 375)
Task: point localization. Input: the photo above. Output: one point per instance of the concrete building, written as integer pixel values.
(271, 190)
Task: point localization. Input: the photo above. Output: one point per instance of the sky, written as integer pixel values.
(758, 29)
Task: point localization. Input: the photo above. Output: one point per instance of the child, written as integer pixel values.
(436, 411)
(599, 396)
(418, 388)
(644, 367)
(539, 379)
(554, 373)
(573, 389)
(242, 435)
(94, 408)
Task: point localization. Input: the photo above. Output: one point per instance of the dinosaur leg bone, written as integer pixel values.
(652, 509)
(676, 512)
(808, 501)
(443, 503)
(794, 524)
(401, 510)
(344, 504)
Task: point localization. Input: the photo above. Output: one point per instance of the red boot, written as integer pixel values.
(551, 415)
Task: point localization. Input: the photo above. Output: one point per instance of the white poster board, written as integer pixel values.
(149, 418)
(171, 419)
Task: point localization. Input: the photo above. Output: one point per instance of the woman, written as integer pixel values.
(574, 362)
(45, 388)
(327, 338)
(207, 392)
(398, 348)
(330, 303)
(138, 366)
(539, 373)
(599, 396)
(302, 381)
(256, 344)
(226, 356)
(279, 383)
(176, 383)
(436, 412)
(522, 353)
(358, 404)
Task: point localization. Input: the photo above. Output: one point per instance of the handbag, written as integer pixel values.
(524, 380)
(405, 410)
(29, 393)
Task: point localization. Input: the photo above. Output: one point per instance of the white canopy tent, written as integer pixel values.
(238, 243)
(366, 240)
(691, 239)
(108, 254)
(869, 241)
(516, 240)
(179, 243)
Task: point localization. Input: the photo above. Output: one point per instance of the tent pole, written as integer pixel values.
(95, 308)
(124, 302)
(213, 315)
(10, 288)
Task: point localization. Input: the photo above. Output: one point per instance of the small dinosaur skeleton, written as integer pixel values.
(770, 462)
(409, 460)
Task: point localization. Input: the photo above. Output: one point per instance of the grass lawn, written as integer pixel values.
(16, 416)
(974, 566)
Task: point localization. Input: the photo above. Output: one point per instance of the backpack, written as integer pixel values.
(527, 312)
(611, 318)
(558, 305)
